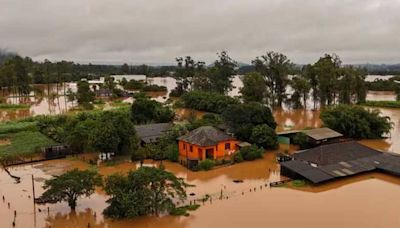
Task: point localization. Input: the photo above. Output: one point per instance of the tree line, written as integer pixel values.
(275, 80)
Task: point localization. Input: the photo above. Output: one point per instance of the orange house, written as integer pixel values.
(205, 143)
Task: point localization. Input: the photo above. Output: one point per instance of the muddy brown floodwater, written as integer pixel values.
(367, 201)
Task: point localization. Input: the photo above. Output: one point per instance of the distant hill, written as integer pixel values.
(381, 69)
(5, 54)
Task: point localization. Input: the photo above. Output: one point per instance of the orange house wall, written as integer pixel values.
(219, 149)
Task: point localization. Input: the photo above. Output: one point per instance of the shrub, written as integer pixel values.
(206, 164)
(250, 153)
(237, 158)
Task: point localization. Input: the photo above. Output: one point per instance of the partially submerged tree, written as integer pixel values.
(70, 186)
(254, 88)
(143, 192)
(356, 122)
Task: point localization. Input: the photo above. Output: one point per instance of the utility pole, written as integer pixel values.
(34, 203)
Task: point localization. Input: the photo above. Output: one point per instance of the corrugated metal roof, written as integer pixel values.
(151, 132)
(322, 133)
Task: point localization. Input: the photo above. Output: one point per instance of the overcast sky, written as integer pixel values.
(157, 31)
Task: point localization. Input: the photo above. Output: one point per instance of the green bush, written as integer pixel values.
(250, 153)
(206, 164)
(237, 158)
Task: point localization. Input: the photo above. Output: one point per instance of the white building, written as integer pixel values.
(128, 77)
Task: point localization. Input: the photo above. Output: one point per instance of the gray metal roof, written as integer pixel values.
(315, 175)
(149, 133)
(335, 153)
(322, 133)
(205, 136)
(341, 160)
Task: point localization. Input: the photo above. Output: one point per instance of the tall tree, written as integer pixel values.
(222, 73)
(185, 72)
(301, 87)
(254, 88)
(327, 69)
(275, 67)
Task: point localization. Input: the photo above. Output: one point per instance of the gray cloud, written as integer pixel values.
(157, 31)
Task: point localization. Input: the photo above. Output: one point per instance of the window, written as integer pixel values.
(191, 148)
(227, 146)
(184, 146)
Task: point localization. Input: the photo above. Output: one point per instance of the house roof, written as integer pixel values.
(335, 153)
(205, 136)
(322, 133)
(308, 172)
(341, 160)
(151, 132)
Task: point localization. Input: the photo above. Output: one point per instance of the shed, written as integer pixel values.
(322, 135)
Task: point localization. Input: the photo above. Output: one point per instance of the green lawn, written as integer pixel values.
(14, 127)
(14, 106)
(383, 104)
(24, 143)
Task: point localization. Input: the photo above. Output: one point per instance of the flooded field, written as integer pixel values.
(49, 99)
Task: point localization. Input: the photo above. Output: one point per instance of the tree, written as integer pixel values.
(356, 122)
(327, 70)
(301, 87)
(254, 88)
(275, 68)
(301, 139)
(143, 192)
(222, 73)
(84, 94)
(264, 136)
(242, 118)
(145, 110)
(104, 137)
(70, 186)
(185, 72)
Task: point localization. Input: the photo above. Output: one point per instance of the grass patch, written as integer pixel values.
(298, 183)
(14, 127)
(24, 143)
(14, 106)
(179, 211)
(383, 104)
